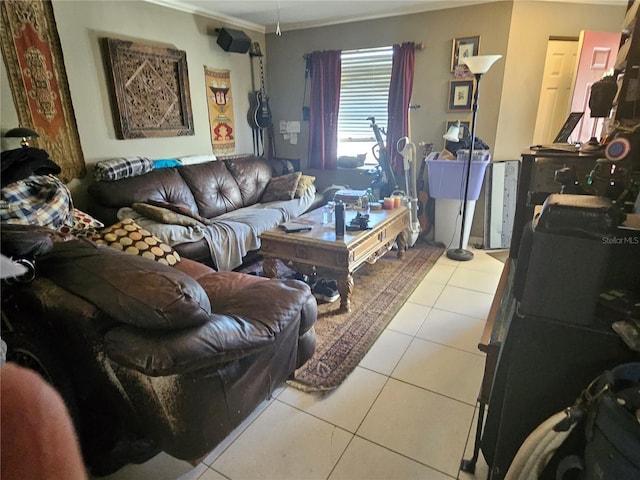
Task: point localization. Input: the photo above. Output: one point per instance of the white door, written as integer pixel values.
(598, 52)
(555, 93)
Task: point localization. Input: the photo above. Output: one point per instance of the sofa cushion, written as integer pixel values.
(214, 189)
(252, 176)
(303, 185)
(164, 184)
(181, 209)
(165, 215)
(282, 187)
(129, 237)
(130, 289)
(255, 313)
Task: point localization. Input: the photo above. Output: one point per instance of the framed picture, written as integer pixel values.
(460, 95)
(462, 48)
(463, 132)
(150, 89)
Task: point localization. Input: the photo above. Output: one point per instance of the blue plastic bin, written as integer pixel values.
(446, 177)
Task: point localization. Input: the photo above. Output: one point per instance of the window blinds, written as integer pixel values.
(364, 92)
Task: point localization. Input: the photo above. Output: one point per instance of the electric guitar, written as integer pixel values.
(260, 113)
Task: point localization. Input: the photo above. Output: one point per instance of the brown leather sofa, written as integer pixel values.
(227, 193)
(154, 358)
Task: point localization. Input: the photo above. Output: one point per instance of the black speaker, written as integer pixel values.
(233, 40)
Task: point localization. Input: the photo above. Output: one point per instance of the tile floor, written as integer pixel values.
(406, 412)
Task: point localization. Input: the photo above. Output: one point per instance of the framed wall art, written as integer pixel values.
(460, 95)
(150, 89)
(462, 48)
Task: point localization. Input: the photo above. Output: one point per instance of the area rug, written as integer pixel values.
(343, 339)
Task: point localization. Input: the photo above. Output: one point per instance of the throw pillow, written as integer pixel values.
(181, 209)
(164, 215)
(130, 237)
(282, 187)
(303, 185)
(84, 225)
(117, 168)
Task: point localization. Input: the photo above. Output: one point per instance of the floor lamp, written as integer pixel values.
(478, 65)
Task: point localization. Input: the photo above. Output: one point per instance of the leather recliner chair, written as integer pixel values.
(153, 358)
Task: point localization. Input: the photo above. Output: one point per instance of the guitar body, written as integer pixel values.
(253, 108)
(262, 114)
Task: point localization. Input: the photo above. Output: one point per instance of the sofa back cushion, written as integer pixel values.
(208, 189)
(252, 176)
(164, 184)
(213, 187)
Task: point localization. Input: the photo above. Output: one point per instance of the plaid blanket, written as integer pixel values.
(118, 168)
(37, 200)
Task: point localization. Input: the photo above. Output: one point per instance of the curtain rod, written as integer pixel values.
(418, 46)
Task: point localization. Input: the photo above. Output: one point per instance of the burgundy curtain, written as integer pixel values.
(323, 109)
(402, 70)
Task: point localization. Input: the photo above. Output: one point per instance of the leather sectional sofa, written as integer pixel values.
(150, 357)
(227, 196)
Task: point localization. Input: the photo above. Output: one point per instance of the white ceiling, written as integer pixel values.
(264, 15)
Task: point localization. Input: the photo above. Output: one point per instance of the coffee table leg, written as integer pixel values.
(401, 241)
(345, 288)
(270, 267)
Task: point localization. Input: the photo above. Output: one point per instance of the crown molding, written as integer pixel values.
(232, 21)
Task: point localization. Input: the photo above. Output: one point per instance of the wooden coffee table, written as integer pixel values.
(319, 252)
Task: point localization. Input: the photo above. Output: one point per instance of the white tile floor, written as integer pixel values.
(406, 412)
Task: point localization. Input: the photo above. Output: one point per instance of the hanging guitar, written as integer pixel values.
(261, 113)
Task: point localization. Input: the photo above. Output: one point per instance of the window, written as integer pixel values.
(364, 92)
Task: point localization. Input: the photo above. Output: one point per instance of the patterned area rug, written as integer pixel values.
(343, 339)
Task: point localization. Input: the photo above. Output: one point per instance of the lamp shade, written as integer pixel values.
(24, 133)
(453, 134)
(21, 132)
(481, 63)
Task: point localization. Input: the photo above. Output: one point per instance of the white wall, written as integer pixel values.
(82, 25)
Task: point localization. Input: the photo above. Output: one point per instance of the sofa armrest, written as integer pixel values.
(129, 288)
(253, 318)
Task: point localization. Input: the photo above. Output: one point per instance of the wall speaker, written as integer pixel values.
(233, 40)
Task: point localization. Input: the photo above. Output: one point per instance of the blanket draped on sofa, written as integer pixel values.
(232, 235)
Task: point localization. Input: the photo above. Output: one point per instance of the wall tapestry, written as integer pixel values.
(35, 66)
(151, 89)
(220, 101)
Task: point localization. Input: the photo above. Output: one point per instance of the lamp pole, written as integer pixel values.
(478, 65)
(460, 253)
